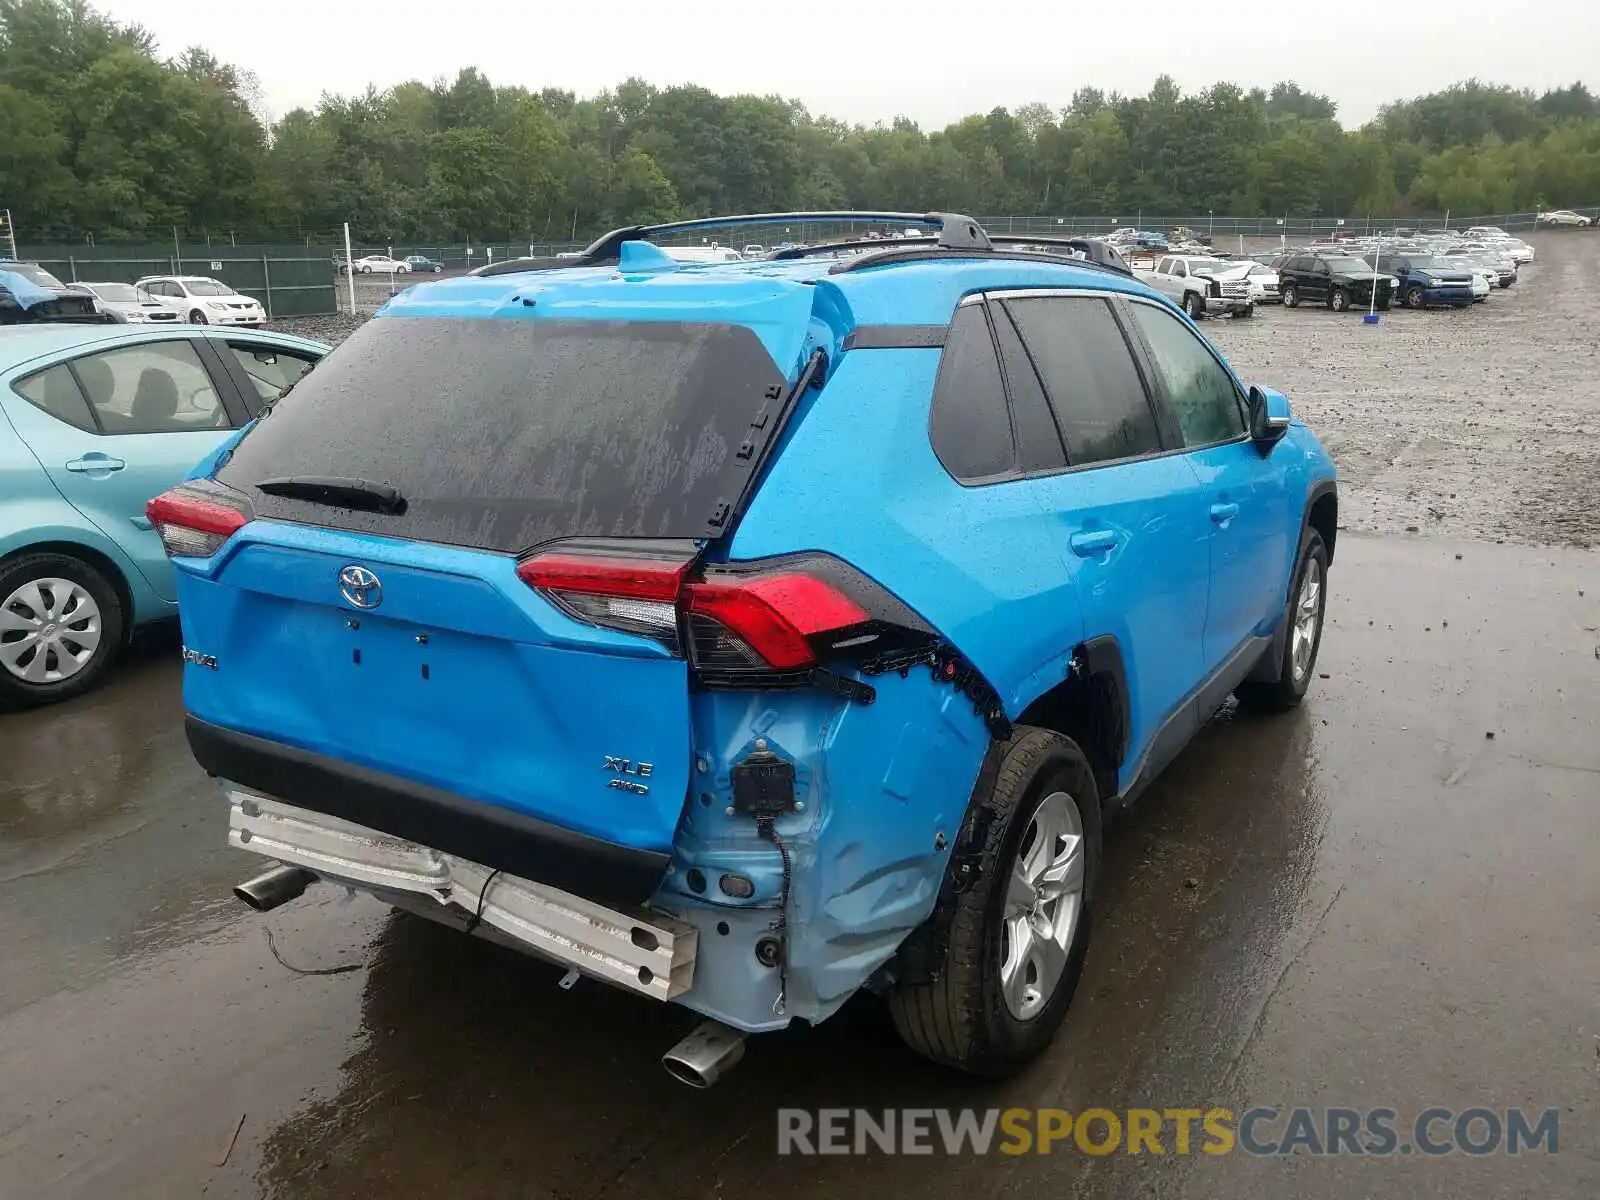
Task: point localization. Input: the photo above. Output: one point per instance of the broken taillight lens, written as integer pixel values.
(193, 523)
(765, 619)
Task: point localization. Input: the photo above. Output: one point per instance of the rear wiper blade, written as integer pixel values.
(337, 491)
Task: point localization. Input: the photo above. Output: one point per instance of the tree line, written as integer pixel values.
(101, 137)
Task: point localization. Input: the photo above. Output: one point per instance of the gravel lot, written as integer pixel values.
(1478, 423)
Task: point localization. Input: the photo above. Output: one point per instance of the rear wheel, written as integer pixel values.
(1194, 306)
(1340, 300)
(1291, 295)
(1308, 603)
(60, 628)
(1413, 296)
(1016, 941)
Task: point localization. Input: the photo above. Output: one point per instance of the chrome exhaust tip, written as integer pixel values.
(278, 886)
(709, 1052)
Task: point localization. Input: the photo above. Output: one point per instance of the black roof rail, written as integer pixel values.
(950, 230)
(1086, 252)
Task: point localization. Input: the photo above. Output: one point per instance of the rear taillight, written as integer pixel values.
(195, 523)
(629, 593)
(770, 617)
(734, 622)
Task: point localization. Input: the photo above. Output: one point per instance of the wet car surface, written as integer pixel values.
(1369, 902)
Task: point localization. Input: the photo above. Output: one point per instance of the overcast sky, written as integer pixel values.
(933, 62)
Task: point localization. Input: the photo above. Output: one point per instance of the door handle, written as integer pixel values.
(1221, 514)
(95, 461)
(1093, 541)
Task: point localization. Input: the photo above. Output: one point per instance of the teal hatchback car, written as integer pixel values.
(94, 421)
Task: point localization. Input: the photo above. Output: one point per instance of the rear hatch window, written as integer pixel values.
(503, 434)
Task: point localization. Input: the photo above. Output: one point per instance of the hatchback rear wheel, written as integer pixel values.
(61, 626)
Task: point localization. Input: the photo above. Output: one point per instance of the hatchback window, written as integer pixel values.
(969, 428)
(1089, 375)
(57, 393)
(157, 387)
(1201, 392)
(503, 434)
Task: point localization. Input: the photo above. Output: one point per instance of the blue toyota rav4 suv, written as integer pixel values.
(749, 634)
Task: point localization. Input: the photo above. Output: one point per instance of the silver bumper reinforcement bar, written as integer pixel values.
(645, 952)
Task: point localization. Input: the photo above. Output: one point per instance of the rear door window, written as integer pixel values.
(271, 370)
(1039, 447)
(1089, 375)
(970, 429)
(154, 387)
(503, 434)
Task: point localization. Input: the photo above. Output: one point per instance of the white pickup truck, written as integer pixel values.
(1204, 286)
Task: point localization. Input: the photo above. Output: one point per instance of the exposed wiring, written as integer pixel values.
(477, 917)
(348, 967)
(767, 827)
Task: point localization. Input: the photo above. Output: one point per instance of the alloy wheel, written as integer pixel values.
(1043, 904)
(1307, 619)
(49, 630)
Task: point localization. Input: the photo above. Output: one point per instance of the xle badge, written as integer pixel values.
(626, 775)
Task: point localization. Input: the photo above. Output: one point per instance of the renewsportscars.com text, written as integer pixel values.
(1432, 1132)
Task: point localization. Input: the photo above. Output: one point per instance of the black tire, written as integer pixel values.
(1194, 306)
(1383, 305)
(1339, 300)
(196, 317)
(1290, 294)
(960, 1017)
(1413, 296)
(16, 573)
(366, 270)
(1289, 687)
(1248, 311)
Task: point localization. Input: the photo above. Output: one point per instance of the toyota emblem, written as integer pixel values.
(361, 587)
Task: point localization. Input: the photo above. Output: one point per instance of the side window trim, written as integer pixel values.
(1157, 385)
(1011, 405)
(94, 413)
(238, 394)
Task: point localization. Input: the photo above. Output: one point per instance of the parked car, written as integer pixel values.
(1501, 267)
(846, 710)
(1425, 280)
(421, 263)
(30, 295)
(1204, 285)
(205, 301)
(1338, 280)
(754, 250)
(94, 421)
(380, 264)
(133, 304)
(1563, 218)
(1263, 283)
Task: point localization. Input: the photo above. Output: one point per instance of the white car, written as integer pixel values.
(1564, 218)
(381, 264)
(133, 304)
(1483, 281)
(1263, 284)
(204, 301)
(753, 250)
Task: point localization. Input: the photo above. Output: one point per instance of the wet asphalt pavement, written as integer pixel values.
(1369, 902)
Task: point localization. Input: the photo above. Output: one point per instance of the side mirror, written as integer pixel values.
(1269, 417)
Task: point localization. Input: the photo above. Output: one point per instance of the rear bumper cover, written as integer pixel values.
(452, 824)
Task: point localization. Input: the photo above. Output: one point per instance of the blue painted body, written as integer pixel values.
(96, 505)
(1004, 572)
